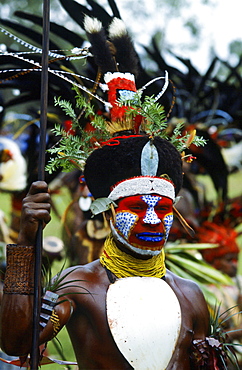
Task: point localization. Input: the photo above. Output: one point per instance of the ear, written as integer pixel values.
(108, 215)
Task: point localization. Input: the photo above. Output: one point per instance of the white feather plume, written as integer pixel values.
(117, 28)
(92, 25)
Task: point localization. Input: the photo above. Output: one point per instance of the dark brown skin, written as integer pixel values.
(85, 314)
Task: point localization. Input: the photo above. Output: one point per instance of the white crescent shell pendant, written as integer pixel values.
(144, 317)
(85, 203)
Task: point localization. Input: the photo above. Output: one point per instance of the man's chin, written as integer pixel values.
(140, 250)
(145, 250)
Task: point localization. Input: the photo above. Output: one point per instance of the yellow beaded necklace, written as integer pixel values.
(124, 265)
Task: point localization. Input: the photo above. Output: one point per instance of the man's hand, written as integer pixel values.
(35, 208)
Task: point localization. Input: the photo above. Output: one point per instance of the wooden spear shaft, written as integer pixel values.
(41, 177)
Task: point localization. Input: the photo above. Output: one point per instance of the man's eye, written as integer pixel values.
(137, 208)
(161, 208)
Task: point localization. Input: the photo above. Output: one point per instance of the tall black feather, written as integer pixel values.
(126, 55)
(100, 45)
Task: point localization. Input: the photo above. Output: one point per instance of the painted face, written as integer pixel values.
(144, 221)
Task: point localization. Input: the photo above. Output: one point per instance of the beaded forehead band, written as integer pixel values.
(143, 185)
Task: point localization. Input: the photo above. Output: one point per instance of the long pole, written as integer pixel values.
(41, 177)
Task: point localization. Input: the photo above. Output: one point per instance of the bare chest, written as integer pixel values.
(137, 323)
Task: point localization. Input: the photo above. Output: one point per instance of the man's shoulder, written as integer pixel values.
(189, 295)
(185, 285)
(88, 272)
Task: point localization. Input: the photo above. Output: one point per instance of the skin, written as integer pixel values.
(85, 314)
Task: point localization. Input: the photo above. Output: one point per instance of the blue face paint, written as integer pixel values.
(150, 237)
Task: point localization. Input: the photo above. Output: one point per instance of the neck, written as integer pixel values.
(124, 264)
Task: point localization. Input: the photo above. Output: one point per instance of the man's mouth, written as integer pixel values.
(150, 237)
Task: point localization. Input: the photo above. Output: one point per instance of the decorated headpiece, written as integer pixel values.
(222, 235)
(134, 165)
(138, 156)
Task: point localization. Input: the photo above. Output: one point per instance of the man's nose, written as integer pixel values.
(151, 217)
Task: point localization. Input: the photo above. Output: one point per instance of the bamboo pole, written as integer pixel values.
(41, 176)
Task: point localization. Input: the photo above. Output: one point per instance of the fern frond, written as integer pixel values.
(66, 106)
(155, 122)
(71, 151)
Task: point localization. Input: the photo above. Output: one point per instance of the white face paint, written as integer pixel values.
(126, 220)
(150, 216)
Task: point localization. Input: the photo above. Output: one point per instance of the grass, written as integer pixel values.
(61, 200)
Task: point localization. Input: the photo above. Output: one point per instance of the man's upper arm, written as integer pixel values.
(201, 315)
(54, 317)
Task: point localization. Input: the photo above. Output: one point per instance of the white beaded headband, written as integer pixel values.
(143, 185)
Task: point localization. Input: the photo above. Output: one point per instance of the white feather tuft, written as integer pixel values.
(13, 173)
(233, 156)
(117, 28)
(92, 25)
(111, 75)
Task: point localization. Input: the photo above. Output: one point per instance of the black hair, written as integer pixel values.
(111, 164)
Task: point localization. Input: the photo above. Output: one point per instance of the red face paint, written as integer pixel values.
(144, 221)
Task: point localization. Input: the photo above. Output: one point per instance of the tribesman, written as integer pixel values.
(124, 310)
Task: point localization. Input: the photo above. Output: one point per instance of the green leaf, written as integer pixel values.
(71, 151)
(200, 269)
(101, 205)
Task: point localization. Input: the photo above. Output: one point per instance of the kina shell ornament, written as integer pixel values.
(144, 317)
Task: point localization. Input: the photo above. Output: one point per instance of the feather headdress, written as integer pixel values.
(129, 112)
